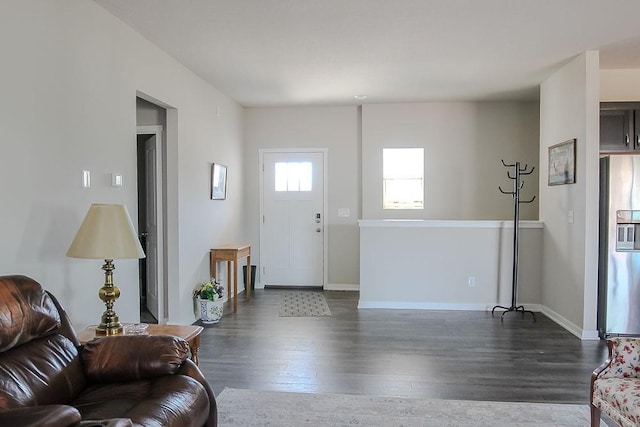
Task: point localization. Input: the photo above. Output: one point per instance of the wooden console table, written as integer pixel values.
(232, 253)
(189, 333)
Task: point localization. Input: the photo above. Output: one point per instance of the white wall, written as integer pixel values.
(334, 128)
(569, 108)
(69, 80)
(464, 143)
(427, 264)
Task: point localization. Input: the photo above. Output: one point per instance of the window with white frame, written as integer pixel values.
(403, 178)
(293, 176)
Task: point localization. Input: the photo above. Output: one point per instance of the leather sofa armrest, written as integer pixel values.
(190, 369)
(37, 416)
(66, 328)
(132, 357)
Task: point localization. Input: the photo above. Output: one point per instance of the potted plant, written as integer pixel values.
(209, 296)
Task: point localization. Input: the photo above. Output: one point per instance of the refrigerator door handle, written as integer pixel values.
(626, 142)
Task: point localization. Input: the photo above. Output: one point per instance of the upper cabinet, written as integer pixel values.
(619, 126)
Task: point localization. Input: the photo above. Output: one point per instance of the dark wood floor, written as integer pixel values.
(411, 353)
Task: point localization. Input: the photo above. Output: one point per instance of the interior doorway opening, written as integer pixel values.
(151, 177)
(149, 286)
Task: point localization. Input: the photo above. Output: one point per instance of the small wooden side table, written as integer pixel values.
(189, 333)
(232, 253)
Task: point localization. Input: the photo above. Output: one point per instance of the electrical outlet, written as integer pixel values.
(471, 281)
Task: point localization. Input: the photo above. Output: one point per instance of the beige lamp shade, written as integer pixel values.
(106, 233)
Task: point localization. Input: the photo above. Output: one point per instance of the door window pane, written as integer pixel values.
(403, 178)
(293, 176)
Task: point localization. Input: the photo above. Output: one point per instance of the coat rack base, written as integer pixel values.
(513, 309)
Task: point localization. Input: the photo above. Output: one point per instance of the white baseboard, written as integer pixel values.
(329, 286)
(438, 306)
(342, 287)
(401, 305)
(590, 336)
(570, 326)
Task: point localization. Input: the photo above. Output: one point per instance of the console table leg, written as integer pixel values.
(235, 286)
(229, 288)
(248, 275)
(212, 266)
(194, 355)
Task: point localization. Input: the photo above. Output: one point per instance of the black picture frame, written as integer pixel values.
(562, 163)
(218, 181)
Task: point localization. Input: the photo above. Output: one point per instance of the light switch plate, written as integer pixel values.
(86, 179)
(116, 180)
(344, 212)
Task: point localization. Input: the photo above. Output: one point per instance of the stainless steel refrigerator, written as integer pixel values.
(619, 246)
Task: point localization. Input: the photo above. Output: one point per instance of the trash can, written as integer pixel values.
(253, 276)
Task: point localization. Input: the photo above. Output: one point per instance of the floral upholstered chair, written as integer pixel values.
(615, 385)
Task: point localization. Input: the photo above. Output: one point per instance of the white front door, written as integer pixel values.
(293, 224)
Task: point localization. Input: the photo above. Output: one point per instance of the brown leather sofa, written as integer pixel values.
(48, 379)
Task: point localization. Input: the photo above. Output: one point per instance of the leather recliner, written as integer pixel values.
(48, 379)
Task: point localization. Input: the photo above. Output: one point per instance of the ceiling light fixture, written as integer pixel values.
(360, 97)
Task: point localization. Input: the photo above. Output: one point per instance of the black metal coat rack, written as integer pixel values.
(517, 186)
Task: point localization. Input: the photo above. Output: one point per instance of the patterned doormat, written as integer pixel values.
(304, 304)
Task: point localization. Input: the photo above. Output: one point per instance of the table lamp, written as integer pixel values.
(107, 233)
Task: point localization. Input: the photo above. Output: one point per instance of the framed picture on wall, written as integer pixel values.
(218, 182)
(562, 163)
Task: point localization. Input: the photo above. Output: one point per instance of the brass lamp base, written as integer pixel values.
(109, 293)
(109, 330)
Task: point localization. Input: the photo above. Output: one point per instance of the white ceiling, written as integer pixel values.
(323, 52)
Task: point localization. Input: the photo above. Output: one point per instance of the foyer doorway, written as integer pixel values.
(293, 218)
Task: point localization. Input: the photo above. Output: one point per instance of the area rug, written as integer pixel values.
(304, 304)
(249, 408)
